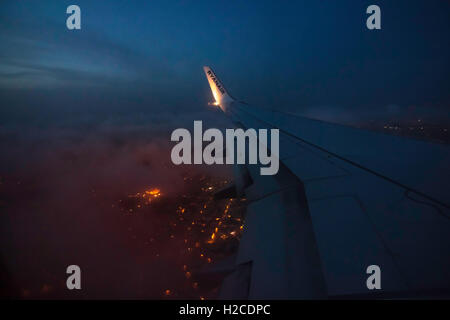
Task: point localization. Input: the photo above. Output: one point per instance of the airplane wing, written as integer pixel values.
(344, 199)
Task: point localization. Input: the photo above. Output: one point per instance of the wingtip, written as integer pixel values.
(218, 90)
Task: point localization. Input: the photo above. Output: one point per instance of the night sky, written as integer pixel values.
(315, 58)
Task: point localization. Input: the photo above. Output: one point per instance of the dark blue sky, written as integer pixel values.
(310, 57)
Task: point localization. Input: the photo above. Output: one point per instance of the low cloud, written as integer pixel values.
(58, 188)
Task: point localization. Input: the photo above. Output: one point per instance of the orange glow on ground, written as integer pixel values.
(154, 192)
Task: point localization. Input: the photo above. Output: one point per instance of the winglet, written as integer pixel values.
(218, 90)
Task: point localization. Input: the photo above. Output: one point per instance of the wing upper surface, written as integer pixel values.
(371, 199)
